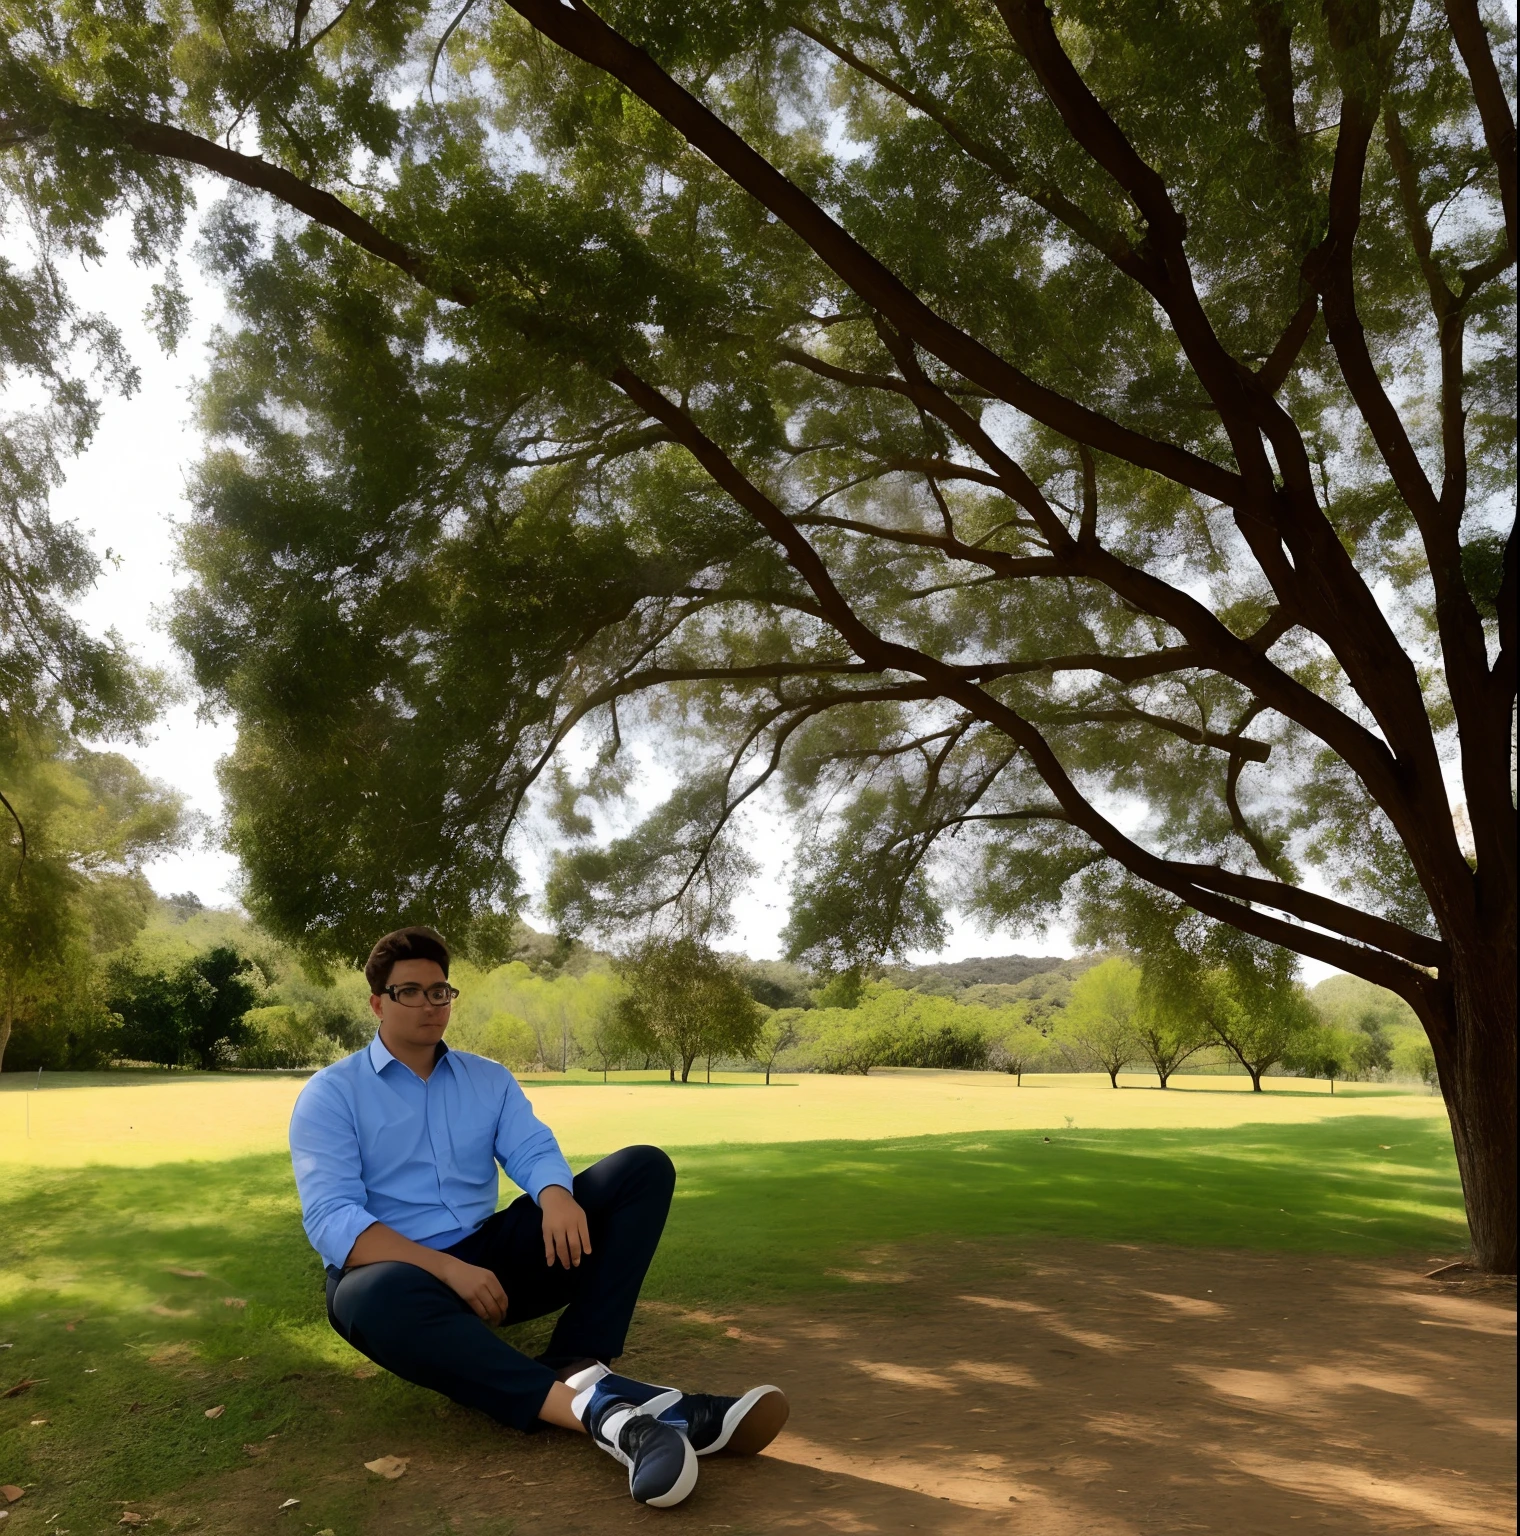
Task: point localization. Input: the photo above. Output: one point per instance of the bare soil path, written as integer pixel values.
(1045, 1389)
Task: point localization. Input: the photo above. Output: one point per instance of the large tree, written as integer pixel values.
(1060, 447)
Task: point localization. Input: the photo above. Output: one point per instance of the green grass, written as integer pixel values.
(86, 1256)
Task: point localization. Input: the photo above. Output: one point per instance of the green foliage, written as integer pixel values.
(527, 1020)
(1331, 1052)
(777, 984)
(282, 1036)
(890, 1027)
(1019, 1048)
(193, 1016)
(91, 820)
(1414, 1056)
(1099, 1026)
(684, 1000)
(779, 1032)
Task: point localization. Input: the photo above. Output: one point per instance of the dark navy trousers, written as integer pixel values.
(411, 1323)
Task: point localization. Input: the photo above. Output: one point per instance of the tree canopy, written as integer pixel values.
(1059, 449)
(73, 891)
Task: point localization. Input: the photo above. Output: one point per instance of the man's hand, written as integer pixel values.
(479, 1287)
(566, 1235)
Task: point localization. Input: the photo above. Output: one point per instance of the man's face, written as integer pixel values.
(412, 1026)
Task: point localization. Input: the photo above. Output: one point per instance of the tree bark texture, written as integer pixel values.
(1476, 1061)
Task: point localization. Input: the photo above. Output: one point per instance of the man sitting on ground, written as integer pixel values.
(395, 1151)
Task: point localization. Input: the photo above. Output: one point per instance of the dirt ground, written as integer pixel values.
(1051, 1389)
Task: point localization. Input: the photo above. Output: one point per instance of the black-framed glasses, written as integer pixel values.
(411, 994)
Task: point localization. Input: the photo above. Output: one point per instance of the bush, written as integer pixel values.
(502, 1036)
(286, 1035)
(891, 1027)
(189, 1017)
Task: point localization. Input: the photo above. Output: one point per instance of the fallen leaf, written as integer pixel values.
(217, 1412)
(130, 1519)
(388, 1466)
(12, 1493)
(35, 1422)
(189, 1274)
(24, 1385)
(364, 1372)
(233, 1301)
(159, 1310)
(255, 1450)
(290, 1503)
(326, 1530)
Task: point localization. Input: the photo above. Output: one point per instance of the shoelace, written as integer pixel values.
(636, 1431)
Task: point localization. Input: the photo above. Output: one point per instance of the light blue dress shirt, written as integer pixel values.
(371, 1141)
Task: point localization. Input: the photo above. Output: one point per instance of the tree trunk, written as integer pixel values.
(1113, 1077)
(7, 1019)
(1163, 1076)
(1255, 1078)
(686, 1062)
(709, 1070)
(1475, 1063)
(1332, 1087)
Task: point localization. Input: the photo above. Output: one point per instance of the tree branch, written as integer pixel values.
(577, 29)
(1493, 106)
(1372, 947)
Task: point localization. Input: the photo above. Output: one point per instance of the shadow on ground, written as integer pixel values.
(1060, 1388)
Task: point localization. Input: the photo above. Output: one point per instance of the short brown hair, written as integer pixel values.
(403, 944)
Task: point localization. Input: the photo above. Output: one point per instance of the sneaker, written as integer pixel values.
(737, 1426)
(662, 1466)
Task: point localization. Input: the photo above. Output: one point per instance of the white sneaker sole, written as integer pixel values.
(686, 1478)
(684, 1483)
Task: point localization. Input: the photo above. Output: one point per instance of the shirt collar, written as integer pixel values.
(380, 1057)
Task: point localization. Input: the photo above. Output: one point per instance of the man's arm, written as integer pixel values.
(324, 1151)
(526, 1148)
(478, 1287)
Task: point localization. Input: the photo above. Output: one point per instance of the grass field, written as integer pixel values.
(138, 1119)
(152, 1264)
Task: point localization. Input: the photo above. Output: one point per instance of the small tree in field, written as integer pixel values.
(605, 1040)
(1168, 1027)
(1330, 1052)
(684, 1001)
(1100, 1019)
(1017, 1047)
(1260, 1016)
(777, 1034)
(1167, 1037)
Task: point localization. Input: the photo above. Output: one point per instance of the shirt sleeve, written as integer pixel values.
(324, 1150)
(526, 1147)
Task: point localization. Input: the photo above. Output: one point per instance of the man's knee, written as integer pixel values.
(381, 1302)
(654, 1165)
(636, 1173)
